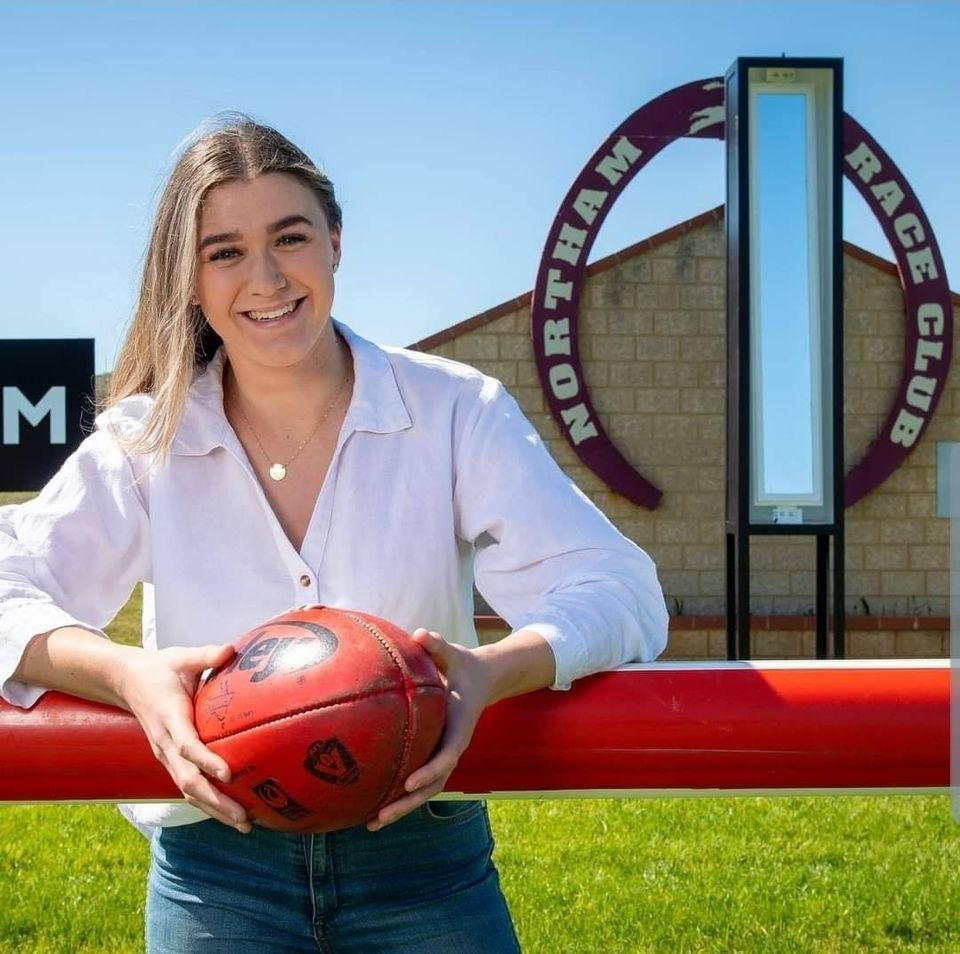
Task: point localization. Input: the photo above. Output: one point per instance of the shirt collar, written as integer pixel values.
(377, 404)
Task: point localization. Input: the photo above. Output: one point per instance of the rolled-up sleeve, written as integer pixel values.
(70, 556)
(546, 558)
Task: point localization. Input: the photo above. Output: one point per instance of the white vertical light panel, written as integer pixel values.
(790, 201)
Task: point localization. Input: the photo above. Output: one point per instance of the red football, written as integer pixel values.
(321, 715)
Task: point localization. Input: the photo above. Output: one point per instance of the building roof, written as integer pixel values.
(611, 261)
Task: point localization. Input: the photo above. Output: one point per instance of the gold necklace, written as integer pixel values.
(277, 470)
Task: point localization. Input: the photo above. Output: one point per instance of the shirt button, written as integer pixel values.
(305, 580)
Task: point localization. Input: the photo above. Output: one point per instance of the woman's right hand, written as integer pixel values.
(158, 688)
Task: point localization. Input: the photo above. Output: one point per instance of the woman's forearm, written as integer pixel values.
(74, 660)
(157, 687)
(520, 662)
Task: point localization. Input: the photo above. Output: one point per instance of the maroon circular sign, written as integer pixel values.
(697, 110)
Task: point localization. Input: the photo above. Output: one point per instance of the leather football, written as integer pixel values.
(321, 715)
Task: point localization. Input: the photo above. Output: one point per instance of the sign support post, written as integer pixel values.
(784, 135)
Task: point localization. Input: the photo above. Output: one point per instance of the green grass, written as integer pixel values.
(694, 876)
(125, 627)
(831, 875)
(14, 496)
(733, 875)
(71, 880)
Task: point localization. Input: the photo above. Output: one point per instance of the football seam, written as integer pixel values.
(313, 707)
(407, 733)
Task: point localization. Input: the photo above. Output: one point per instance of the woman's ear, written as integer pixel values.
(335, 242)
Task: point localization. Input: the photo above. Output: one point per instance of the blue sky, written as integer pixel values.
(452, 130)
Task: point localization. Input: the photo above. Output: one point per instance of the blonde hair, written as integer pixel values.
(168, 338)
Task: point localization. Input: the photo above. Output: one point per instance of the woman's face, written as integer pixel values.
(265, 270)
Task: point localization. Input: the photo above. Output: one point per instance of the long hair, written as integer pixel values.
(168, 338)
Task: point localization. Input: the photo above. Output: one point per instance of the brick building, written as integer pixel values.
(652, 334)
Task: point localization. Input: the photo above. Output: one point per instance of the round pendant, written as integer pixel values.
(277, 471)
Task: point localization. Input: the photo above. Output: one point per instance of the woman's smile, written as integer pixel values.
(276, 315)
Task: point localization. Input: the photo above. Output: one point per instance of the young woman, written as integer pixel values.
(256, 455)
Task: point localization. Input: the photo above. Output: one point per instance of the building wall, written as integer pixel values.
(653, 347)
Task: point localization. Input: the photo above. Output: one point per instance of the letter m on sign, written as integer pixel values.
(16, 406)
(46, 400)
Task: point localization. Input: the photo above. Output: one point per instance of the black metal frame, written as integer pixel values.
(739, 528)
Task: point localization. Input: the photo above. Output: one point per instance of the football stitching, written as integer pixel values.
(407, 734)
(314, 707)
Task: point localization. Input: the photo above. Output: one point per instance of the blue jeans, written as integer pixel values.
(424, 885)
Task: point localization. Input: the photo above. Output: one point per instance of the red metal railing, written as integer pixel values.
(707, 728)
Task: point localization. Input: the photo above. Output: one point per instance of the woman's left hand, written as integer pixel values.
(469, 679)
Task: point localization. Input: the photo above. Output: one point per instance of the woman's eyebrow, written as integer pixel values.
(289, 220)
(222, 237)
(275, 227)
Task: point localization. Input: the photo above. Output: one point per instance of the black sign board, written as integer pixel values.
(46, 407)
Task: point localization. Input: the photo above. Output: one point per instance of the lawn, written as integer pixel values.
(681, 875)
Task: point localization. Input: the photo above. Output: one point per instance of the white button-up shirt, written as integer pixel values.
(437, 479)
